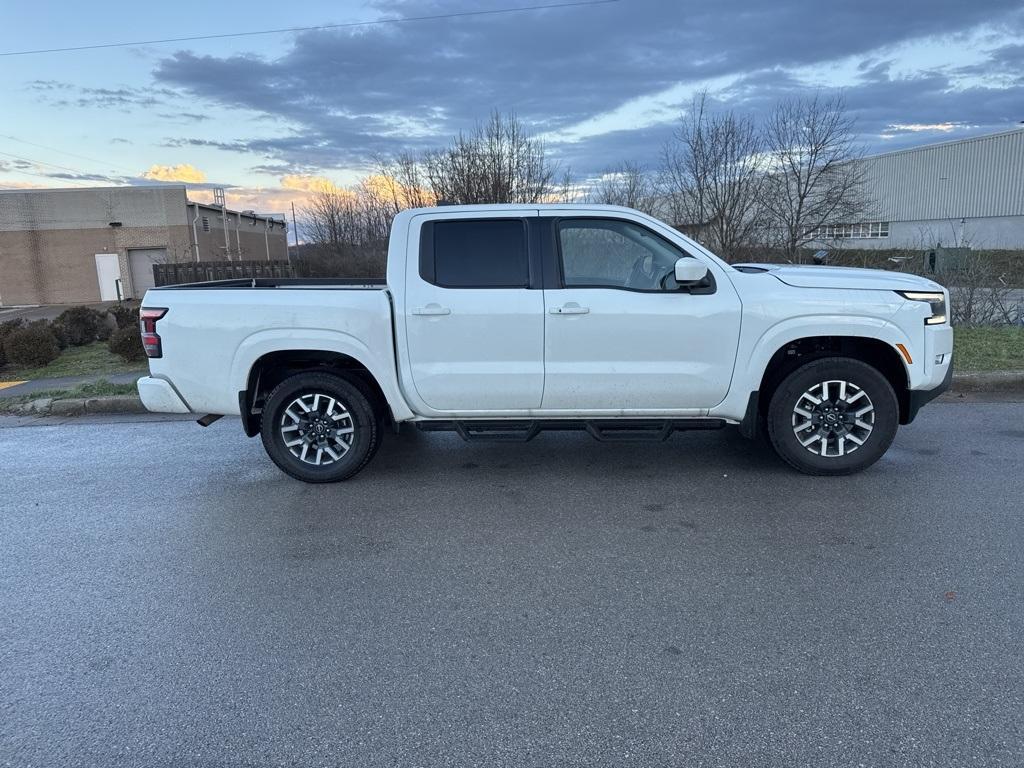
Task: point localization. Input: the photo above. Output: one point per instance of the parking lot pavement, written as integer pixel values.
(170, 598)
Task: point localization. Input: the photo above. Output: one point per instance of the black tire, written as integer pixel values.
(364, 437)
(834, 419)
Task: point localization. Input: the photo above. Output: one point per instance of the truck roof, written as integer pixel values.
(506, 207)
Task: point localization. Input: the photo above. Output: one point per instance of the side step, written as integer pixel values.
(606, 430)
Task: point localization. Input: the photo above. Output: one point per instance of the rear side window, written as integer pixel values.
(475, 253)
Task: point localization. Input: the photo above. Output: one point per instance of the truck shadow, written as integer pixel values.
(560, 454)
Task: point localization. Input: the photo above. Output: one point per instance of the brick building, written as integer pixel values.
(76, 246)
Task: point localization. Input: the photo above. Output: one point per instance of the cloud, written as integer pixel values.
(341, 97)
(923, 127)
(184, 172)
(184, 117)
(99, 178)
(303, 183)
(63, 94)
(8, 184)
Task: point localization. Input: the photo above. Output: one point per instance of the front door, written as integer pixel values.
(474, 325)
(108, 274)
(620, 337)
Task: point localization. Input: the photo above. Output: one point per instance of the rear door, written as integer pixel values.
(474, 315)
(621, 337)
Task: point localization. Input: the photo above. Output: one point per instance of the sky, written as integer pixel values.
(270, 116)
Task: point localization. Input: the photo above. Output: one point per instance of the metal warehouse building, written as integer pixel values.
(959, 193)
(77, 246)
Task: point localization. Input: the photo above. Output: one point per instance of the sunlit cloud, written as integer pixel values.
(184, 172)
(922, 127)
(9, 184)
(308, 184)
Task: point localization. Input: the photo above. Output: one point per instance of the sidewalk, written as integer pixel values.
(65, 382)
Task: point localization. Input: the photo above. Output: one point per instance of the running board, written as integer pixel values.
(606, 430)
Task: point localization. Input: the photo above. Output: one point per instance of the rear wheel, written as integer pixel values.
(833, 416)
(319, 428)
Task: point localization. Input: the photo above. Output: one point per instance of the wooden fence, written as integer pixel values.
(202, 271)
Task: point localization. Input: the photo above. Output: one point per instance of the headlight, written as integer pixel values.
(936, 299)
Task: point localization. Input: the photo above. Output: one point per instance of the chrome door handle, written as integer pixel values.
(431, 309)
(569, 309)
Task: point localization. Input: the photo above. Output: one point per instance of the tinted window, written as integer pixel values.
(474, 253)
(616, 254)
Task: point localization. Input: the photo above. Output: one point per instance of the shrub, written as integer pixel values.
(80, 325)
(125, 314)
(32, 346)
(56, 330)
(127, 342)
(105, 328)
(7, 328)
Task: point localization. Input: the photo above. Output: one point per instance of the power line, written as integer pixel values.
(22, 171)
(41, 162)
(77, 171)
(104, 163)
(286, 30)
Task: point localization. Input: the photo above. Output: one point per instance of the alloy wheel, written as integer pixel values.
(317, 429)
(833, 418)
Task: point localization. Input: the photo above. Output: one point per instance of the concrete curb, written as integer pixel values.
(47, 406)
(993, 381)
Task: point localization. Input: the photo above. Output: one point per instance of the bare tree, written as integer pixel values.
(346, 231)
(627, 184)
(499, 162)
(566, 189)
(404, 182)
(813, 178)
(713, 177)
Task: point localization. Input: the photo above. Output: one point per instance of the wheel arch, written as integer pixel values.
(271, 368)
(880, 355)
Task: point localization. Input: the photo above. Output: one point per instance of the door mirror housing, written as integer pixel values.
(689, 270)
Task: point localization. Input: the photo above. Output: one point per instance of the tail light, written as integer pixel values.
(147, 324)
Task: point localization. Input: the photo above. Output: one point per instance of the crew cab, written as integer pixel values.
(502, 321)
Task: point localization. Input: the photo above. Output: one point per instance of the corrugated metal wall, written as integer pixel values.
(963, 179)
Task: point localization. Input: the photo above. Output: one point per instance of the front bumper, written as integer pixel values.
(918, 398)
(160, 397)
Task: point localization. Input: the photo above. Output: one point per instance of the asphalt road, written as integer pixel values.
(167, 597)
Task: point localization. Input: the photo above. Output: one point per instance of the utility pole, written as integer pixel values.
(296, 228)
(218, 199)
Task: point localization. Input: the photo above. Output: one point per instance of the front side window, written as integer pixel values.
(476, 253)
(614, 254)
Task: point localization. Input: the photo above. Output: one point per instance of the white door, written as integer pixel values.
(108, 273)
(141, 261)
(618, 337)
(474, 327)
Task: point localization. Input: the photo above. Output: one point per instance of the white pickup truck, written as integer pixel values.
(502, 321)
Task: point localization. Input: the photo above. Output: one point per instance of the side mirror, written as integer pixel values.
(690, 270)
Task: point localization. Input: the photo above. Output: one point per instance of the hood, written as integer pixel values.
(811, 276)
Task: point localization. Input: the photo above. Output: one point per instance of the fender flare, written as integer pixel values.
(380, 366)
(755, 356)
(786, 332)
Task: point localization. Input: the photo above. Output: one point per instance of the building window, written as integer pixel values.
(863, 231)
(206, 224)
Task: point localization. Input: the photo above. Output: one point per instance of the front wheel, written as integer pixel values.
(833, 416)
(319, 428)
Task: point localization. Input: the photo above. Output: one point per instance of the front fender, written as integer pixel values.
(755, 354)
